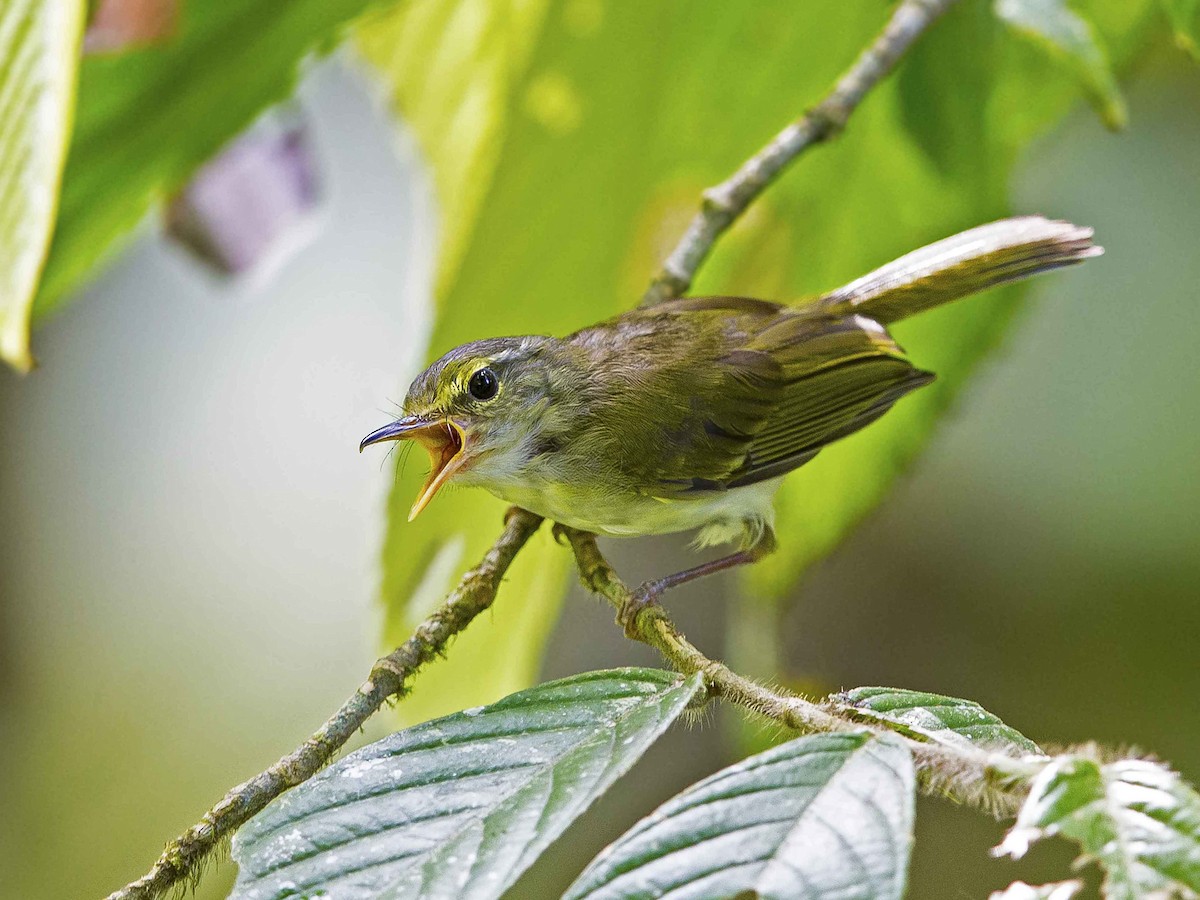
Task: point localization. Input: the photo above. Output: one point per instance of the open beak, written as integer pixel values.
(442, 439)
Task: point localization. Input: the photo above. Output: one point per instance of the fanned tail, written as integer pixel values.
(959, 266)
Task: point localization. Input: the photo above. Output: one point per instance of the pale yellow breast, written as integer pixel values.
(722, 514)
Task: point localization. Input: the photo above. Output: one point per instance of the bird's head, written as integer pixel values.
(478, 411)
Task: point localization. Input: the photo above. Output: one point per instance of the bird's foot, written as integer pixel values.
(635, 604)
(559, 531)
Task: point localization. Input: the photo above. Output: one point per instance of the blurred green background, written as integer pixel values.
(189, 547)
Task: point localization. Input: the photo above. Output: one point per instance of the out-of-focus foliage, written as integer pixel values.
(149, 117)
(460, 806)
(1183, 16)
(39, 53)
(1071, 38)
(820, 818)
(1135, 817)
(604, 122)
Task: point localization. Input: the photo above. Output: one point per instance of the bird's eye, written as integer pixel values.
(483, 384)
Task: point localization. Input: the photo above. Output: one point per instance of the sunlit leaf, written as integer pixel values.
(501, 651)
(946, 720)
(149, 117)
(1071, 38)
(39, 56)
(823, 817)
(569, 144)
(1137, 818)
(460, 806)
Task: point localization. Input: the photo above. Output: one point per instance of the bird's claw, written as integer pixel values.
(628, 612)
(559, 530)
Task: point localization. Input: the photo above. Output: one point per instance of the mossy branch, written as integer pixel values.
(990, 780)
(722, 204)
(390, 677)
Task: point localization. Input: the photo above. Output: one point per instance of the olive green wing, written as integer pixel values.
(703, 395)
(839, 376)
(791, 384)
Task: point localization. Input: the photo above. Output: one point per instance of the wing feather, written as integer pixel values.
(748, 391)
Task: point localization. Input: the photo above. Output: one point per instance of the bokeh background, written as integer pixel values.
(189, 545)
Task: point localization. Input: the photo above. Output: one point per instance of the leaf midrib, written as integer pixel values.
(548, 766)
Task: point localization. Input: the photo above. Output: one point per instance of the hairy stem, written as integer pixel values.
(992, 781)
(389, 678)
(722, 204)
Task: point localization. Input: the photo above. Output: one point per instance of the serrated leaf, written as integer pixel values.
(149, 117)
(818, 818)
(1183, 15)
(1070, 38)
(945, 720)
(460, 806)
(1019, 890)
(39, 58)
(1137, 818)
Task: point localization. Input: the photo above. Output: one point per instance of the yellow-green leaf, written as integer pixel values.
(1070, 38)
(1183, 16)
(39, 58)
(604, 121)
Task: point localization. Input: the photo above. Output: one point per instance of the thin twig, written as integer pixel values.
(389, 678)
(721, 205)
(990, 780)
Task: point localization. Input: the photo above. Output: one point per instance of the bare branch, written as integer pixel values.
(389, 678)
(989, 780)
(721, 205)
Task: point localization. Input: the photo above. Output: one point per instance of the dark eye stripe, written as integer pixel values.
(483, 384)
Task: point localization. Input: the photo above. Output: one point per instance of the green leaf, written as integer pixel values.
(454, 72)
(1137, 818)
(569, 144)
(944, 720)
(1019, 890)
(501, 652)
(39, 57)
(148, 118)
(1182, 15)
(818, 818)
(460, 806)
(1071, 39)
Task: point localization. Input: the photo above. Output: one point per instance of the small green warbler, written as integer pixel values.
(688, 414)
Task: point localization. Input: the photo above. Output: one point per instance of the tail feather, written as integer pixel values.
(958, 266)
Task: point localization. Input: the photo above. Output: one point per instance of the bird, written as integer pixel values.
(688, 414)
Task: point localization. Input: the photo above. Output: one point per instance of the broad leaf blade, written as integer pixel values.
(1072, 39)
(454, 72)
(945, 720)
(817, 818)
(460, 806)
(39, 57)
(1137, 818)
(148, 118)
(591, 169)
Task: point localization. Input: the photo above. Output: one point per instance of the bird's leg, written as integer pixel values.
(648, 592)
